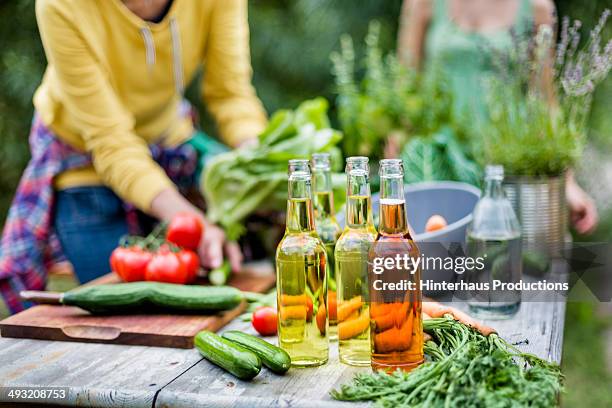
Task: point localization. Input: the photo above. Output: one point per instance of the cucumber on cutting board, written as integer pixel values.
(228, 355)
(275, 358)
(147, 297)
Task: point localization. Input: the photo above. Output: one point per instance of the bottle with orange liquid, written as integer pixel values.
(395, 296)
(301, 278)
(352, 266)
(327, 227)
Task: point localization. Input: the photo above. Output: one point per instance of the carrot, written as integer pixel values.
(435, 309)
(346, 308)
(289, 300)
(297, 312)
(384, 322)
(322, 319)
(395, 339)
(353, 315)
(353, 327)
(332, 302)
(400, 313)
(380, 309)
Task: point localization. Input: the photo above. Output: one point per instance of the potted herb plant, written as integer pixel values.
(538, 109)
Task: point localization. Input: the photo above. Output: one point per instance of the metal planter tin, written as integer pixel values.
(541, 207)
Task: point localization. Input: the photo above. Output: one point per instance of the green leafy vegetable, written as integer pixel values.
(464, 369)
(438, 157)
(237, 183)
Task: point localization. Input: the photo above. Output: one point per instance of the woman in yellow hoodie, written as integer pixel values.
(112, 130)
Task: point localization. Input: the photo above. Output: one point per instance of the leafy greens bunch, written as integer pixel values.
(237, 183)
(539, 104)
(464, 368)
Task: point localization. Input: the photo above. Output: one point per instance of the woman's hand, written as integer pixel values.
(212, 247)
(583, 213)
(213, 244)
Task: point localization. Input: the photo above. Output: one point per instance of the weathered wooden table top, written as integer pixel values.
(134, 376)
(104, 375)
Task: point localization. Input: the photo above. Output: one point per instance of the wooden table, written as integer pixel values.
(104, 375)
(134, 376)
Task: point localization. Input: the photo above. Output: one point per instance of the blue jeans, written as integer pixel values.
(89, 222)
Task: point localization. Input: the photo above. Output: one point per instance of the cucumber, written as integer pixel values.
(153, 297)
(275, 358)
(228, 355)
(220, 275)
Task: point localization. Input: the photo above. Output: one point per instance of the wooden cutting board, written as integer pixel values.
(68, 323)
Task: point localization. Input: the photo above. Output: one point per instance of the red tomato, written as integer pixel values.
(116, 259)
(309, 310)
(185, 230)
(265, 320)
(130, 263)
(191, 262)
(135, 262)
(166, 267)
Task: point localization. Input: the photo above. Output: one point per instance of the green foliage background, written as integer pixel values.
(290, 39)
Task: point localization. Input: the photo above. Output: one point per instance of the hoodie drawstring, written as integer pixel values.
(177, 57)
(149, 46)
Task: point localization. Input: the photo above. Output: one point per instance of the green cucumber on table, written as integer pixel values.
(228, 355)
(275, 358)
(122, 298)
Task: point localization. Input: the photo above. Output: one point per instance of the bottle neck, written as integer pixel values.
(359, 203)
(392, 206)
(323, 198)
(299, 206)
(493, 188)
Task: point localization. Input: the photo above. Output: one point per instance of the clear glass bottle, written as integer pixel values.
(495, 236)
(395, 295)
(301, 278)
(327, 227)
(351, 258)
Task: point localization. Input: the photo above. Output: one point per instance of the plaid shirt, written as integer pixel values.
(29, 245)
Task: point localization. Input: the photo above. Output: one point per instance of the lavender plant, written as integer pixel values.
(539, 102)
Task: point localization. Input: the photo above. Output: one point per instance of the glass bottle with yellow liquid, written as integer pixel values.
(351, 258)
(327, 227)
(301, 277)
(396, 329)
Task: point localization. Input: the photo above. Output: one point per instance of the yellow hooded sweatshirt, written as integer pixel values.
(114, 84)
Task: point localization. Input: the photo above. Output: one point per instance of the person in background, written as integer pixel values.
(112, 132)
(454, 36)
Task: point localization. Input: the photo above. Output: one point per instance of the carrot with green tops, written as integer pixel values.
(347, 307)
(435, 309)
(354, 327)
